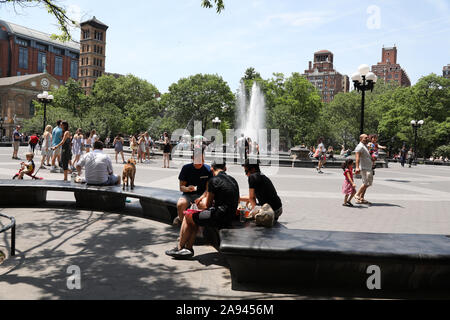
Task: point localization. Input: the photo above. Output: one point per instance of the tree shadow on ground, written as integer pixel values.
(117, 260)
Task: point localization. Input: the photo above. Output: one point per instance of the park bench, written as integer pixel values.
(276, 255)
(331, 259)
(158, 204)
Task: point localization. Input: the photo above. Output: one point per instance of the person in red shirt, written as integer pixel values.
(34, 140)
(349, 186)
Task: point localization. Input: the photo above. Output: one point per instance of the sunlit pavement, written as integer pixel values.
(122, 257)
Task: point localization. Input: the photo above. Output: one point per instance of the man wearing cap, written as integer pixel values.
(17, 137)
(193, 183)
(222, 201)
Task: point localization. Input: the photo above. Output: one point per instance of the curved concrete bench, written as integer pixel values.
(159, 204)
(331, 259)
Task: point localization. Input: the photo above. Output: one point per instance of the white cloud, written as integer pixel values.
(299, 19)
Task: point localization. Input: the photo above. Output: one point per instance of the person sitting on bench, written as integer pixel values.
(222, 201)
(99, 170)
(261, 189)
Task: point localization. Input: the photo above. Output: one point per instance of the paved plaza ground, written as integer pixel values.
(122, 256)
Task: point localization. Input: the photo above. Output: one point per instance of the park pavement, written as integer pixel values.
(122, 256)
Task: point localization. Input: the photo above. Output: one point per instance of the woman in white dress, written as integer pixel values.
(46, 146)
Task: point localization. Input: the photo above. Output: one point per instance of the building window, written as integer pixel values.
(41, 46)
(58, 66)
(74, 55)
(32, 110)
(74, 69)
(86, 34)
(22, 42)
(23, 58)
(42, 60)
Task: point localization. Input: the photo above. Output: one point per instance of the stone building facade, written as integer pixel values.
(325, 78)
(389, 70)
(16, 97)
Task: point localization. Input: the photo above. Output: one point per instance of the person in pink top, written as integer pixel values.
(349, 186)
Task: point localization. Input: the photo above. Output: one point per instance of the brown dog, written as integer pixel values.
(129, 172)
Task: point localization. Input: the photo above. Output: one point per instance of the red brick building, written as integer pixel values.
(25, 51)
(389, 70)
(93, 52)
(325, 78)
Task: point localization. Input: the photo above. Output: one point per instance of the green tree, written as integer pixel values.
(219, 4)
(201, 97)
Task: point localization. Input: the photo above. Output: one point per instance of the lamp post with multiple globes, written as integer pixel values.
(363, 81)
(45, 98)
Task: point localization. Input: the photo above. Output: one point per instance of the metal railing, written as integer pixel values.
(11, 226)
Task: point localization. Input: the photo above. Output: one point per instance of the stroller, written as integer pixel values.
(30, 174)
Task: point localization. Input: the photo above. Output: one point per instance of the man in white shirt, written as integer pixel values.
(364, 166)
(240, 146)
(98, 166)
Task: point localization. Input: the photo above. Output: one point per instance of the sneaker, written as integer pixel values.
(320, 171)
(61, 170)
(172, 252)
(53, 170)
(184, 254)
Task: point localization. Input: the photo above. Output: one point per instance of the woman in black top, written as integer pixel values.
(166, 150)
(66, 152)
(261, 189)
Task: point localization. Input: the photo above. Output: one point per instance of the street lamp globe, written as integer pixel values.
(356, 77)
(421, 122)
(364, 69)
(413, 122)
(371, 77)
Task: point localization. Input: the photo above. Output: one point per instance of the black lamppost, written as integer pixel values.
(416, 125)
(45, 98)
(364, 80)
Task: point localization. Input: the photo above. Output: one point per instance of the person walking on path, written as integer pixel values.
(17, 137)
(410, 157)
(403, 154)
(33, 141)
(141, 149)
(134, 146)
(57, 136)
(46, 151)
(118, 147)
(77, 147)
(320, 155)
(349, 186)
(363, 167)
(166, 150)
(66, 148)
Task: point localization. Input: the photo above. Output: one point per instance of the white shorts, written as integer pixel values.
(367, 177)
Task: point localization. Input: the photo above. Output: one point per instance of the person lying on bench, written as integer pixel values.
(261, 189)
(222, 201)
(99, 170)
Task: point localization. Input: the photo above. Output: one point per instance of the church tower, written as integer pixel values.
(92, 52)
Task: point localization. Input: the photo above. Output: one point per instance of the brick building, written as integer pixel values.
(389, 70)
(93, 52)
(325, 78)
(446, 71)
(25, 51)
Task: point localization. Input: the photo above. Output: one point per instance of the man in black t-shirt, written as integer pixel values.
(261, 189)
(193, 183)
(222, 201)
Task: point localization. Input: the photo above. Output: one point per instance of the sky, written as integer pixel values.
(164, 41)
